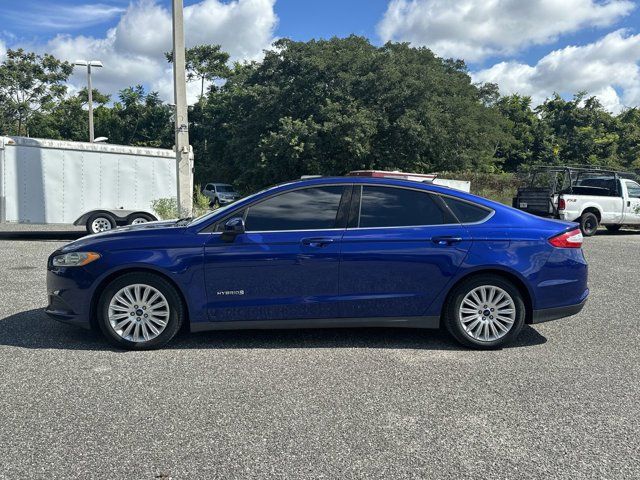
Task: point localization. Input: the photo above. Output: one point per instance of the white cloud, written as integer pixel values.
(603, 68)
(56, 16)
(133, 51)
(475, 29)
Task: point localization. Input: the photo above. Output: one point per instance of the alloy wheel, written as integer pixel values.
(487, 313)
(138, 313)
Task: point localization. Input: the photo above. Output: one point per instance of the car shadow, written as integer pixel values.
(64, 235)
(34, 330)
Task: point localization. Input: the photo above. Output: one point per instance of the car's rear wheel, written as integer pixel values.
(486, 311)
(589, 224)
(140, 311)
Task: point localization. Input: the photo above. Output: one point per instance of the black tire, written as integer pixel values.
(138, 217)
(216, 203)
(454, 325)
(100, 217)
(613, 228)
(177, 311)
(589, 224)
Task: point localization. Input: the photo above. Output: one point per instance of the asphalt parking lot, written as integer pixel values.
(563, 402)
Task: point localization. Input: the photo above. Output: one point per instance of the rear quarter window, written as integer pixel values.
(467, 212)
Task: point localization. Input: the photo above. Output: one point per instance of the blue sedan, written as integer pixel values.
(326, 252)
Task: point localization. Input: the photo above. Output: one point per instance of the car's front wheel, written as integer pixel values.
(140, 311)
(486, 311)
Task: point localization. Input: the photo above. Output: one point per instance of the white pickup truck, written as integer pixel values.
(611, 201)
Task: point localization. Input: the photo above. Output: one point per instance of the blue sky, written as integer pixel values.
(534, 47)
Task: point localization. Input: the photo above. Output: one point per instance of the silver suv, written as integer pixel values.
(220, 194)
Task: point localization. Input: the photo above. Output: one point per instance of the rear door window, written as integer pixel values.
(398, 207)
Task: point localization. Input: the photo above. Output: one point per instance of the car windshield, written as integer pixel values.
(224, 188)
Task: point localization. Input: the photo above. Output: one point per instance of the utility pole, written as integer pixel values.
(184, 169)
(89, 64)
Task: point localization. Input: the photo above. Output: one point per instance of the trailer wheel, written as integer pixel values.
(100, 222)
(589, 224)
(138, 218)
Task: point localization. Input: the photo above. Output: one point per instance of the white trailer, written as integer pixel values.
(93, 184)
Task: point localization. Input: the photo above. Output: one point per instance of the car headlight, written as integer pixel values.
(74, 259)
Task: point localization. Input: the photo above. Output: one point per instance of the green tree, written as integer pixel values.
(204, 63)
(68, 119)
(582, 131)
(519, 147)
(137, 118)
(30, 84)
(327, 107)
(629, 134)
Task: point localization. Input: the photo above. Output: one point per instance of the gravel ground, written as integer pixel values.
(378, 403)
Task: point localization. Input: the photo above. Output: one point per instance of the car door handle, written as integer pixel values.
(446, 240)
(316, 242)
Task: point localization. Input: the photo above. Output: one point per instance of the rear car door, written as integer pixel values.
(401, 249)
(285, 266)
(632, 203)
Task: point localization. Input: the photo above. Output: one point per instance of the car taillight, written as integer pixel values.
(562, 204)
(570, 239)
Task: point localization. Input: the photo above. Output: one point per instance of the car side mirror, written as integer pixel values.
(232, 228)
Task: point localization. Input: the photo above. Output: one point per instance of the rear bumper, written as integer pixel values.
(548, 314)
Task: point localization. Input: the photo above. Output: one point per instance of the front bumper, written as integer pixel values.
(62, 313)
(69, 293)
(548, 314)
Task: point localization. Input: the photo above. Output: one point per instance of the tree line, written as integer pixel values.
(325, 107)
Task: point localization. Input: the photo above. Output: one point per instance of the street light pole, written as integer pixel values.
(89, 64)
(183, 157)
(90, 92)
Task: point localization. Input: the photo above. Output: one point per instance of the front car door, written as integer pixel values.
(401, 249)
(632, 203)
(286, 264)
